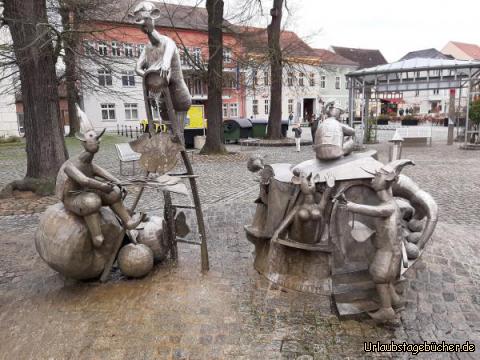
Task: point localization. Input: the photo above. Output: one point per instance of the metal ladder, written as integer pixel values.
(170, 209)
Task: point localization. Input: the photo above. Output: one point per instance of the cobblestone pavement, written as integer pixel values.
(232, 312)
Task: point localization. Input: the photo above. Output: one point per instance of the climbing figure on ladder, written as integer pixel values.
(163, 85)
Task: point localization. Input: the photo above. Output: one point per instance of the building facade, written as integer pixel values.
(113, 94)
(9, 124)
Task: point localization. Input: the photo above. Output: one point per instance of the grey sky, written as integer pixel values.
(394, 27)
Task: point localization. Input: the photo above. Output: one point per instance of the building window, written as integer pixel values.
(89, 47)
(255, 107)
(323, 81)
(131, 111)
(225, 111)
(116, 49)
(227, 55)
(234, 110)
(436, 91)
(128, 78)
(290, 106)
(255, 78)
(290, 79)
(197, 55)
(140, 49)
(198, 87)
(104, 77)
(266, 107)
(312, 79)
(184, 57)
(266, 78)
(128, 49)
(337, 82)
(300, 79)
(102, 49)
(346, 83)
(108, 112)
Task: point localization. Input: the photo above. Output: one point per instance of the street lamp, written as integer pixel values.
(395, 152)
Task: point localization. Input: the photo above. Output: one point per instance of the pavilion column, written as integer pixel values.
(351, 102)
(366, 111)
(451, 117)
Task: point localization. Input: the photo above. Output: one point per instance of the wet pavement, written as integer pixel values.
(232, 312)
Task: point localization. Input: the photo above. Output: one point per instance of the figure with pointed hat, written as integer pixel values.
(83, 194)
(385, 266)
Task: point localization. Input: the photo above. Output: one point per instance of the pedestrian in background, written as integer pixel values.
(298, 135)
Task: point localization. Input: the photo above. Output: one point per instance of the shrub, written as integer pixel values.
(9, 140)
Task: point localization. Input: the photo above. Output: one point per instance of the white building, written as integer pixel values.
(311, 78)
(9, 125)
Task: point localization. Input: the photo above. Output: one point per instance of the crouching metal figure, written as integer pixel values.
(386, 263)
(84, 195)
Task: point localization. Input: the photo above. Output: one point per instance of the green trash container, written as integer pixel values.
(259, 128)
(235, 129)
(231, 131)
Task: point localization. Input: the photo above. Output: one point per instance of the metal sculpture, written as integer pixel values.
(160, 66)
(164, 86)
(84, 195)
(81, 236)
(347, 226)
(332, 138)
(386, 264)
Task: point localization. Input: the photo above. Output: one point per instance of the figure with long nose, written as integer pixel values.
(385, 266)
(83, 194)
(159, 63)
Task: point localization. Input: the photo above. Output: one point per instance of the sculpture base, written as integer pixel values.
(293, 268)
(64, 242)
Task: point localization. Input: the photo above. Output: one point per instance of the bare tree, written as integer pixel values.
(214, 141)
(34, 55)
(275, 53)
(68, 10)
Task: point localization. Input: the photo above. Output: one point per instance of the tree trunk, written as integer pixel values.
(275, 54)
(70, 43)
(214, 142)
(34, 53)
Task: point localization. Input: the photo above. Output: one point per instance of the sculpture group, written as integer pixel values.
(82, 236)
(342, 224)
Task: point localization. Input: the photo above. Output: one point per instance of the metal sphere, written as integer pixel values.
(135, 260)
(412, 251)
(152, 236)
(415, 225)
(414, 237)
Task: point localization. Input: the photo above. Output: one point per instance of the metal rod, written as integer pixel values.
(148, 109)
(187, 241)
(468, 106)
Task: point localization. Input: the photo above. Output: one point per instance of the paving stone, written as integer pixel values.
(232, 312)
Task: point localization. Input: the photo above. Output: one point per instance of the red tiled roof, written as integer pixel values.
(329, 57)
(256, 41)
(471, 50)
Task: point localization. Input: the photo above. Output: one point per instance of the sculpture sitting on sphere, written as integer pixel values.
(81, 236)
(341, 224)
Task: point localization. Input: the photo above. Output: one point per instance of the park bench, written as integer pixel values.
(248, 142)
(416, 133)
(126, 154)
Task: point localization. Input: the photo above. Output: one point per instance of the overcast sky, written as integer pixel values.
(394, 27)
